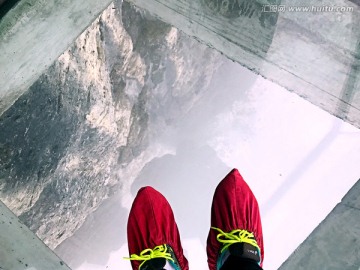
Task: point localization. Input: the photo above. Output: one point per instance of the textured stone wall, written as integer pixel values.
(66, 144)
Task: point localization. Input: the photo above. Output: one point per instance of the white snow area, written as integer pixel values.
(298, 159)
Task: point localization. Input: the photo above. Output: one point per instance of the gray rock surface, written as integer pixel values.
(33, 34)
(66, 143)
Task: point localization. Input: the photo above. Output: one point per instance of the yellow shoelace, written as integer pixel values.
(235, 236)
(148, 254)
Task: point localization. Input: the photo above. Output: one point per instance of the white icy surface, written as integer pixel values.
(299, 161)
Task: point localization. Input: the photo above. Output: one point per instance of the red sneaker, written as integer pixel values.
(153, 236)
(236, 230)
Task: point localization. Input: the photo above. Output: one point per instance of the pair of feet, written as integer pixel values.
(235, 237)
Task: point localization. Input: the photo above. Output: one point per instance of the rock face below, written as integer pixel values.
(91, 121)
